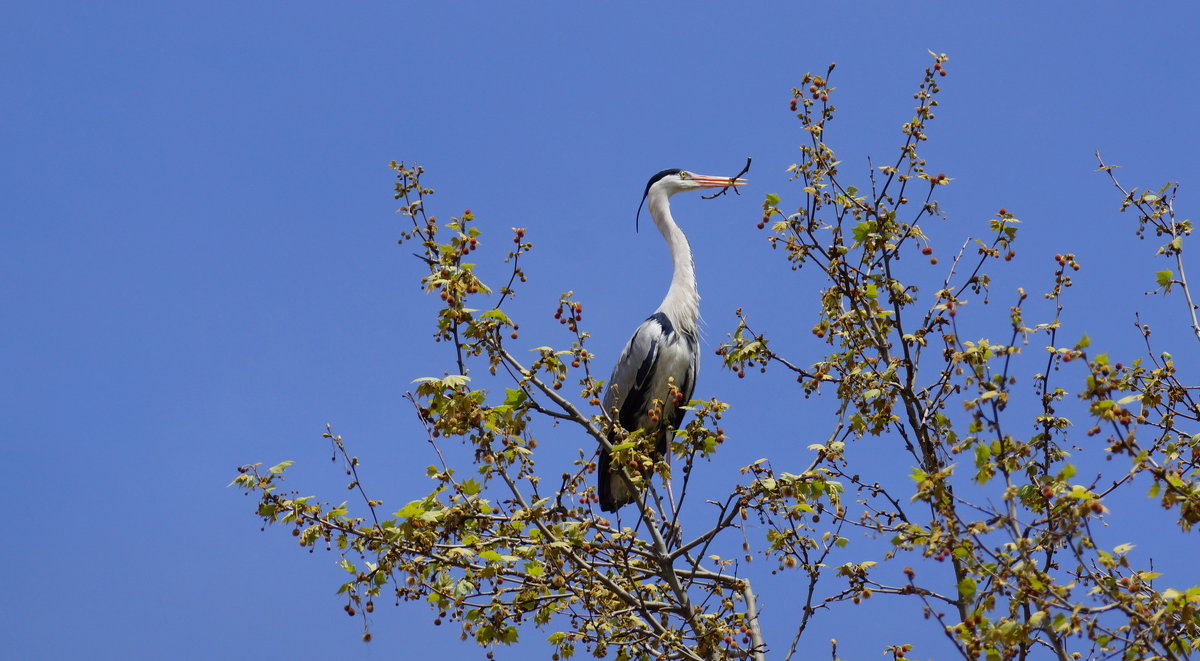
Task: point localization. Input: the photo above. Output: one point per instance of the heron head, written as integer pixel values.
(673, 180)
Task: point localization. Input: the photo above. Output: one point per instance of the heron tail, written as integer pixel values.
(613, 491)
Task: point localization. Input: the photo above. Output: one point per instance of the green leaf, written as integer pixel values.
(772, 199)
(244, 480)
(1083, 343)
(455, 380)
(1164, 277)
(967, 588)
(862, 230)
(514, 397)
(507, 635)
(496, 314)
(410, 510)
(982, 453)
(280, 467)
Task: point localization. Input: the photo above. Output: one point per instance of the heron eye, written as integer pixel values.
(683, 175)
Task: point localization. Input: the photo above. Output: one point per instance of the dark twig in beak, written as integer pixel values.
(733, 178)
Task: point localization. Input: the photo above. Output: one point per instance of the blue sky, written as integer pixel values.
(201, 270)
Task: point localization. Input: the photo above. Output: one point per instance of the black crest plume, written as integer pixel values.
(660, 175)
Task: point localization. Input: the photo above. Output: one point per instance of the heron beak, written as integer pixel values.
(707, 181)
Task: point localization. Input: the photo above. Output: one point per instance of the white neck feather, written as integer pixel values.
(682, 302)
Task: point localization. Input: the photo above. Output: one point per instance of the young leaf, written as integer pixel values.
(967, 588)
(514, 397)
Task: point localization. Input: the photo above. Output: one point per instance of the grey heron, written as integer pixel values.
(656, 371)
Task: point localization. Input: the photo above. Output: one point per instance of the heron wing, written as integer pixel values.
(656, 357)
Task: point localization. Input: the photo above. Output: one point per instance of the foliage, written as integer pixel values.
(992, 508)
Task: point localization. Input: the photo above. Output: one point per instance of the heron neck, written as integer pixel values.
(682, 302)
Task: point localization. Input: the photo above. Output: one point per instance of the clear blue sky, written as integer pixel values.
(200, 267)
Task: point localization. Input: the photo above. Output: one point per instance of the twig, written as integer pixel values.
(726, 189)
(758, 646)
(1172, 228)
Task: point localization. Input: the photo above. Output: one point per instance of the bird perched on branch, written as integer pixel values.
(656, 372)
